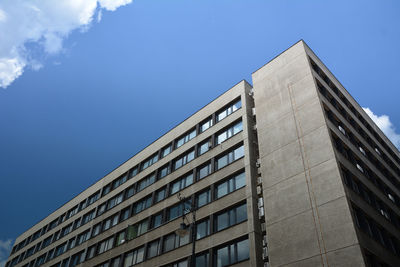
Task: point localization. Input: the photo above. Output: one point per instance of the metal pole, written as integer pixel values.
(193, 258)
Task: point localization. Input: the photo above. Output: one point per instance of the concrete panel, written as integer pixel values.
(317, 147)
(277, 134)
(337, 225)
(325, 177)
(310, 116)
(346, 257)
(292, 239)
(315, 261)
(281, 164)
(286, 198)
(304, 90)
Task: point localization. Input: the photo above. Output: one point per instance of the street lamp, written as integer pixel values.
(185, 229)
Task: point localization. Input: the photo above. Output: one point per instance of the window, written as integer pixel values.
(88, 216)
(124, 214)
(231, 131)
(71, 243)
(202, 260)
(115, 262)
(66, 230)
(153, 249)
(204, 171)
(83, 237)
(93, 198)
(77, 224)
(133, 172)
(229, 110)
(173, 241)
(206, 124)
(156, 220)
(101, 209)
(40, 260)
(179, 209)
(52, 225)
(230, 185)
(134, 257)
(164, 171)
(47, 241)
(106, 245)
(203, 198)
(120, 181)
(166, 150)
(142, 204)
(231, 217)
(96, 229)
(186, 138)
(115, 201)
(160, 194)
(181, 183)
(184, 159)
(181, 263)
(150, 161)
(204, 147)
(110, 222)
(61, 249)
(121, 237)
(146, 182)
(77, 258)
(70, 213)
(229, 157)
(129, 192)
(233, 253)
(138, 229)
(203, 229)
(91, 252)
(106, 190)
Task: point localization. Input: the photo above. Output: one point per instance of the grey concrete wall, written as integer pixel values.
(307, 214)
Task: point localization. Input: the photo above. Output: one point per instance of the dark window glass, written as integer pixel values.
(203, 198)
(203, 229)
(152, 249)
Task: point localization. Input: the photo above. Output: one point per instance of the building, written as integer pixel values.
(291, 172)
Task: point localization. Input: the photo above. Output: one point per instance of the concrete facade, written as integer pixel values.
(322, 185)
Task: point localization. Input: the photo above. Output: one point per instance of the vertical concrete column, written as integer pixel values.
(307, 214)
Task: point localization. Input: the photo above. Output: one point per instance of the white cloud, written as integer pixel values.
(44, 23)
(386, 126)
(5, 249)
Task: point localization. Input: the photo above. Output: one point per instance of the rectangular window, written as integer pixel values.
(202, 260)
(71, 243)
(146, 182)
(106, 190)
(204, 171)
(203, 229)
(183, 160)
(93, 198)
(88, 216)
(134, 257)
(142, 204)
(206, 124)
(160, 194)
(204, 147)
(230, 185)
(228, 133)
(150, 161)
(179, 209)
(121, 238)
(203, 198)
(66, 230)
(229, 157)
(186, 138)
(156, 220)
(164, 171)
(61, 249)
(138, 229)
(133, 172)
(91, 252)
(70, 213)
(124, 214)
(232, 253)
(166, 150)
(115, 201)
(228, 110)
(101, 209)
(96, 229)
(119, 181)
(231, 217)
(106, 245)
(153, 249)
(83, 237)
(181, 183)
(173, 241)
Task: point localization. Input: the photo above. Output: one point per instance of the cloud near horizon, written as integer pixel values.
(5, 249)
(28, 26)
(386, 126)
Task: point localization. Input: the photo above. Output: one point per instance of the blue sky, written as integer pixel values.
(86, 87)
